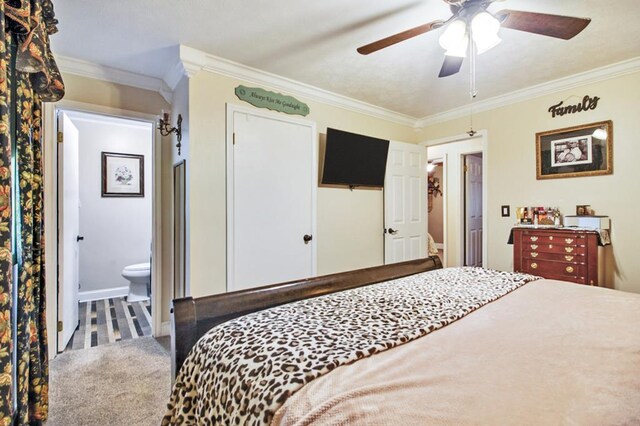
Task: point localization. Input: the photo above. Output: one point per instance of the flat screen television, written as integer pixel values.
(354, 160)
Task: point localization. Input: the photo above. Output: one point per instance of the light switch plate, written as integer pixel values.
(506, 211)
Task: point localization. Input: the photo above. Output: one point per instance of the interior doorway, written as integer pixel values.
(473, 214)
(271, 198)
(105, 217)
(435, 204)
(454, 152)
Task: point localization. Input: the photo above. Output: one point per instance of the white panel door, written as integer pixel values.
(405, 203)
(473, 210)
(68, 229)
(272, 212)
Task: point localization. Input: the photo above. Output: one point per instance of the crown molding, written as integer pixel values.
(194, 61)
(191, 61)
(566, 83)
(101, 72)
(174, 75)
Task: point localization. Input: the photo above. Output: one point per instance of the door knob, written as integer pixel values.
(307, 238)
(79, 238)
(393, 231)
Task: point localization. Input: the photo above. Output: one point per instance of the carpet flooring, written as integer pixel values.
(125, 383)
(110, 320)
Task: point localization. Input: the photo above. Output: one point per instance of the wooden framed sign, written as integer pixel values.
(271, 100)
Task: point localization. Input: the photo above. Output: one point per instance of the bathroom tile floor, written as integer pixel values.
(110, 320)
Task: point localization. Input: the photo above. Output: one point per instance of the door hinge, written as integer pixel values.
(234, 138)
(466, 168)
(60, 137)
(59, 326)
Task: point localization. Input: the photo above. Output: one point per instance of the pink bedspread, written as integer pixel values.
(549, 353)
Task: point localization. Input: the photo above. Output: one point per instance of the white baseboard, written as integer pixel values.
(165, 328)
(440, 246)
(87, 296)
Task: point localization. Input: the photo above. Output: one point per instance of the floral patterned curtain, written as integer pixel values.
(28, 76)
(6, 335)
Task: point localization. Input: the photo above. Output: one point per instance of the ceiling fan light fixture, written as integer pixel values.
(455, 39)
(484, 29)
(486, 43)
(460, 50)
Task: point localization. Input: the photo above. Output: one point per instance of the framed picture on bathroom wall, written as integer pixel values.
(122, 175)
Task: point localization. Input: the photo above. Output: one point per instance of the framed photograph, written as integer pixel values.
(585, 150)
(122, 175)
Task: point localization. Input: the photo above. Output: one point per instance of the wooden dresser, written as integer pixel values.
(560, 254)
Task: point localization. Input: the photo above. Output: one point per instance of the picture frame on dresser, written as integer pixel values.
(585, 150)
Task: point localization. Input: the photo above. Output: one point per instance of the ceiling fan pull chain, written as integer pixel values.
(472, 68)
(472, 83)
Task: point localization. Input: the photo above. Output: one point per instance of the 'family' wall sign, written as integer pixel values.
(274, 101)
(588, 103)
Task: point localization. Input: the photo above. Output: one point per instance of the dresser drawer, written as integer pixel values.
(554, 248)
(558, 257)
(562, 270)
(555, 238)
(560, 254)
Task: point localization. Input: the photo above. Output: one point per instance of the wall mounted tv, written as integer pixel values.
(354, 160)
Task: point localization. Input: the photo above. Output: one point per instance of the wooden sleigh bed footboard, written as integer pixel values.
(192, 318)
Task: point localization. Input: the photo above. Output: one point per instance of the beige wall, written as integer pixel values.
(98, 92)
(349, 222)
(101, 93)
(511, 171)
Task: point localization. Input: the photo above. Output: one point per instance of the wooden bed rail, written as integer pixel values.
(192, 318)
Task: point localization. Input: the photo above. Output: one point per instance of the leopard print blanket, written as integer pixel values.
(242, 371)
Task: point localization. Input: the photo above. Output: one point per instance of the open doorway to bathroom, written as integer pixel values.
(105, 229)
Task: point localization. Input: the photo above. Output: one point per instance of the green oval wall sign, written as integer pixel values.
(274, 101)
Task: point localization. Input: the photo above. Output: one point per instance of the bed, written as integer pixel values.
(448, 346)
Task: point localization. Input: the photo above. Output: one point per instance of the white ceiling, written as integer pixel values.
(314, 42)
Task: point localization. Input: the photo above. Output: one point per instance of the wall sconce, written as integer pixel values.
(165, 128)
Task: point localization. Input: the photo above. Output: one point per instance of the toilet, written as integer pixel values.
(139, 275)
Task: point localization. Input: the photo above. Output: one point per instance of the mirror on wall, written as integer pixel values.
(179, 229)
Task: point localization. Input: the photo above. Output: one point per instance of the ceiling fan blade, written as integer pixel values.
(564, 27)
(451, 66)
(397, 38)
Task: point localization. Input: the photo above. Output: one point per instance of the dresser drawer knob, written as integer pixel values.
(550, 246)
(534, 238)
(569, 269)
(568, 240)
(569, 258)
(568, 249)
(551, 237)
(534, 254)
(534, 246)
(534, 266)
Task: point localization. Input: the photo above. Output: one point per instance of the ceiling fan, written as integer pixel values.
(472, 27)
